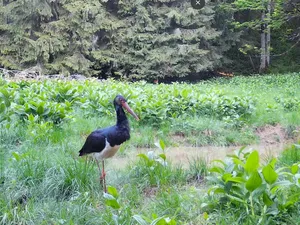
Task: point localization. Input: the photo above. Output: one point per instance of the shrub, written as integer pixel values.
(261, 192)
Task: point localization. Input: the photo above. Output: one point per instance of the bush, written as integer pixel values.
(263, 193)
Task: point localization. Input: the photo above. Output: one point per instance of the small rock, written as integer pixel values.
(77, 77)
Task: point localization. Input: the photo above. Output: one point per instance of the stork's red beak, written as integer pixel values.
(126, 106)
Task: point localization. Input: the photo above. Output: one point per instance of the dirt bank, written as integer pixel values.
(183, 155)
(273, 140)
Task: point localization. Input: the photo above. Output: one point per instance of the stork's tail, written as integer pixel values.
(81, 153)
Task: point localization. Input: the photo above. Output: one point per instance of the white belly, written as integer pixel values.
(107, 152)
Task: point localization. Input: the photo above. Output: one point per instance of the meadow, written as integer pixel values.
(43, 125)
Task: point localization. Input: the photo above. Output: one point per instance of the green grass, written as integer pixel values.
(43, 181)
(208, 131)
(290, 155)
(56, 188)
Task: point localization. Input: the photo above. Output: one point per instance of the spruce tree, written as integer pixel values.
(129, 38)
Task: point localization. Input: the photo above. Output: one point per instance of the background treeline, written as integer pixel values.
(149, 39)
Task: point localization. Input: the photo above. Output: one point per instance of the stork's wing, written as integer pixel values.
(95, 142)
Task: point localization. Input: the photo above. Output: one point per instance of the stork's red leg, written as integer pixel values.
(103, 177)
(103, 171)
(99, 171)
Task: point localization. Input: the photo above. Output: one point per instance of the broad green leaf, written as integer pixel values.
(184, 93)
(238, 162)
(254, 181)
(154, 216)
(5, 97)
(205, 215)
(158, 221)
(113, 191)
(269, 174)
(236, 179)
(111, 201)
(226, 176)
(2, 107)
(216, 169)
(218, 190)
(273, 162)
(252, 162)
(161, 145)
(267, 200)
(163, 156)
(294, 168)
(17, 156)
(163, 221)
(4, 93)
(143, 156)
(31, 118)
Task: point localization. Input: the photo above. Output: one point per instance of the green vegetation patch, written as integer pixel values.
(44, 124)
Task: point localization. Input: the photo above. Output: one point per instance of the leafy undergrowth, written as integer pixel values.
(265, 194)
(218, 112)
(44, 124)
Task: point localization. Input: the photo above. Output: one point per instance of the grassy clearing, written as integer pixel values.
(42, 180)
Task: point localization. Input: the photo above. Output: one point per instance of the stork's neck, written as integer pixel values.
(122, 120)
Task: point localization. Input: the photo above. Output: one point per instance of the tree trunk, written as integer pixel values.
(265, 38)
(270, 6)
(263, 44)
(268, 45)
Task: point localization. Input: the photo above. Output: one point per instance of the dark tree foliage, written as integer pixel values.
(141, 39)
(279, 50)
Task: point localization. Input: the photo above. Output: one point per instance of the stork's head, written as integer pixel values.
(121, 101)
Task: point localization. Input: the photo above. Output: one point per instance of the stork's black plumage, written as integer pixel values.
(104, 143)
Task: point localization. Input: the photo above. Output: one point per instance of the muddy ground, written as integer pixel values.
(273, 140)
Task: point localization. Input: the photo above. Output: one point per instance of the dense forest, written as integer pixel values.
(149, 39)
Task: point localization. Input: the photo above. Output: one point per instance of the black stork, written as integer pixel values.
(104, 143)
